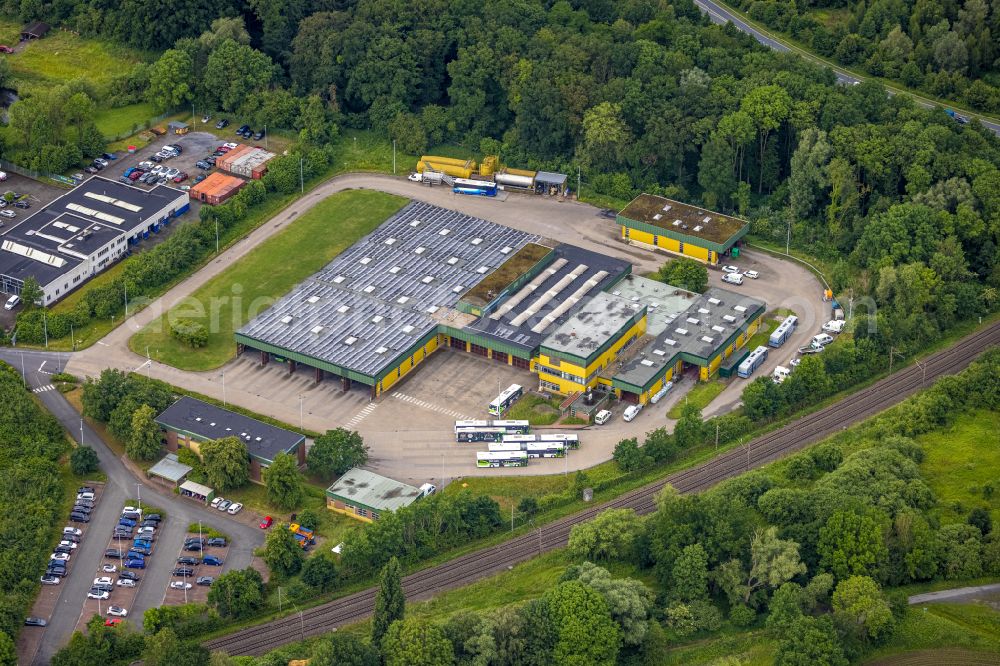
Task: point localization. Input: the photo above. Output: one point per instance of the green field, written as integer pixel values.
(960, 461)
(936, 626)
(264, 275)
(535, 409)
(700, 396)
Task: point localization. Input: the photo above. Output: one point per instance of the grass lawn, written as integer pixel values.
(700, 395)
(535, 409)
(959, 462)
(762, 335)
(263, 276)
(124, 119)
(937, 626)
(62, 56)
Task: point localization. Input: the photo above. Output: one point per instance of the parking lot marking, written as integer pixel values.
(360, 416)
(40, 389)
(430, 406)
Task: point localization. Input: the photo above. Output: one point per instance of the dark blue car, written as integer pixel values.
(211, 560)
(135, 564)
(128, 522)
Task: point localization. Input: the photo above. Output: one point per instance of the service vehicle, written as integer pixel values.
(834, 326)
(732, 278)
(631, 412)
(602, 417)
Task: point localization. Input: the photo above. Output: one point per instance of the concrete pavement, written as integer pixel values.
(418, 444)
(957, 594)
(121, 486)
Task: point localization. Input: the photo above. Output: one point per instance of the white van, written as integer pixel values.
(602, 417)
(733, 278)
(780, 374)
(834, 326)
(427, 489)
(631, 412)
(12, 303)
(822, 340)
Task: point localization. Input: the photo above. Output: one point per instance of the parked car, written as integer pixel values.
(91, 169)
(834, 326)
(212, 561)
(109, 156)
(189, 561)
(68, 544)
(49, 579)
(733, 278)
(135, 564)
(217, 501)
(136, 175)
(210, 160)
(730, 269)
(180, 177)
(117, 611)
(34, 622)
(116, 553)
(103, 582)
(242, 129)
(222, 123)
(202, 164)
(5, 49)
(205, 580)
(258, 135)
(60, 557)
(171, 172)
(109, 568)
(217, 541)
(112, 622)
(264, 524)
(58, 572)
(100, 163)
(79, 518)
(223, 505)
(141, 550)
(186, 572)
(195, 539)
(234, 508)
(155, 158)
(89, 503)
(98, 594)
(194, 546)
(12, 303)
(8, 213)
(205, 118)
(179, 585)
(753, 275)
(147, 529)
(85, 494)
(75, 531)
(62, 550)
(821, 340)
(200, 177)
(631, 412)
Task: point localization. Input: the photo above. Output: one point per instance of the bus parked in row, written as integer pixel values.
(783, 332)
(571, 441)
(752, 362)
(512, 426)
(501, 459)
(502, 402)
(479, 434)
(533, 449)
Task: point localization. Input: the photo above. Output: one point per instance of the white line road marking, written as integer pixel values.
(360, 416)
(431, 407)
(40, 389)
(42, 366)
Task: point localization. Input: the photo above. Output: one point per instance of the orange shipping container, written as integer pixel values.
(216, 189)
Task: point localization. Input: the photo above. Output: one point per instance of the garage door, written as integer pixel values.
(500, 357)
(479, 350)
(521, 363)
(457, 344)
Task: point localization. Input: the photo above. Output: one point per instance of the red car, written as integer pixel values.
(181, 177)
(112, 622)
(268, 520)
(222, 149)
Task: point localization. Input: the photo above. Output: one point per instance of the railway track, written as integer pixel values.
(481, 564)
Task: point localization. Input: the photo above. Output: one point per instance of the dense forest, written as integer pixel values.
(31, 500)
(948, 49)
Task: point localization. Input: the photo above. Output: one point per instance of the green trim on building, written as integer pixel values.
(406, 354)
(520, 281)
(308, 360)
(718, 248)
(201, 440)
(489, 343)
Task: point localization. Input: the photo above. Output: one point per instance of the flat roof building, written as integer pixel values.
(679, 228)
(82, 232)
(191, 422)
(217, 188)
(170, 469)
(365, 495)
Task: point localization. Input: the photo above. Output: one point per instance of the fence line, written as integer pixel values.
(144, 126)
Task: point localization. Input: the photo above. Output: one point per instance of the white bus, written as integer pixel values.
(533, 449)
(502, 402)
(571, 441)
(501, 459)
(479, 434)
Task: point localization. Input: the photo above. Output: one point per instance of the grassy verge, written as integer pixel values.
(762, 335)
(535, 409)
(701, 395)
(959, 462)
(937, 626)
(232, 298)
(206, 531)
(117, 122)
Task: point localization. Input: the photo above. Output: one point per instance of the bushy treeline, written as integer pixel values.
(946, 49)
(814, 544)
(145, 273)
(31, 496)
(421, 530)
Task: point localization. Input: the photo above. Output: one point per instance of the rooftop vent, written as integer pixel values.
(287, 319)
(343, 309)
(646, 362)
(707, 339)
(659, 352)
(312, 299)
(390, 241)
(350, 340)
(657, 217)
(212, 424)
(366, 260)
(730, 318)
(256, 439)
(483, 270)
(507, 250)
(198, 419)
(458, 289)
(616, 293)
(407, 329)
(739, 308)
(381, 350)
(432, 309)
(369, 289)
(718, 329)
(677, 223)
(378, 319)
(693, 320)
(453, 260)
(706, 219)
(420, 250)
(395, 269)
(477, 241)
(415, 223)
(402, 300)
(444, 232)
(704, 310)
(339, 279)
(666, 208)
(427, 279)
(316, 330)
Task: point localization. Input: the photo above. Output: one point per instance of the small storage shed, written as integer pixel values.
(178, 127)
(170, 469)
(34, 30)
(216, 189)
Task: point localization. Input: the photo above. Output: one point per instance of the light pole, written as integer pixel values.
(302, 182)
(45, 326)
(81, 431)
(223, 388)
(300, 411)
(125, 287)
(138, 496)
(393, 157)
(149, 366)
(216, 235)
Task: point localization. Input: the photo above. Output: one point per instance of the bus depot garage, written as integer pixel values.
(429, 278)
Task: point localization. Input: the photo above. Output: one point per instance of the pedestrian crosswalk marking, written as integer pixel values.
(360, 416)
(40, 389)
(427, 405)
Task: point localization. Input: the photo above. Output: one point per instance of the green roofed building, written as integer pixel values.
(679, 228)
(365, 495)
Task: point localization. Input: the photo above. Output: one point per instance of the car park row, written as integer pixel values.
(191, 577)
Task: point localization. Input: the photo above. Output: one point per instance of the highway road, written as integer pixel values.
(720, 14)
(37, 367)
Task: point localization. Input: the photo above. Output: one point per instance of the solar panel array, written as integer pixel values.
(374, 300)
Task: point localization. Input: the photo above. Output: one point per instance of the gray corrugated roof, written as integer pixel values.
(170, 468)
(355, 299)
(373, 490)
(598, 320)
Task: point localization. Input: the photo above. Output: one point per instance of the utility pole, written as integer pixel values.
(788, 238)
(45, 326)
(578, 183)
(717, 436)
(81, 431)
(125, 287)
(265, 136)
(302, 182)
(149, 364)
(393, 157)
(923, 373)
(223, 388)
(216, 235)
(511, 514)
(300, 412)
(892, 354)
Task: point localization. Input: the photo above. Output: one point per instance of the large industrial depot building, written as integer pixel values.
(429, 278)
(83, 232)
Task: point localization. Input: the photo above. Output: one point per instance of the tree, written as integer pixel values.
(690, 429)
(283, 481)
(164, 648)
(235, 72)
(606, 136)
(860, 599)
(31, 293)
(690, 574)
(471, 636)
(282, 552)
(628, 600)
(527, 507)
(343, 649)
(390, 602)
(808, 177)
(768, 107)
(144, 443)
(630, 457)
(785, 608)
(408, 132)
(319, 572)
(773, 561)
(585, 633)
(684, 273)
(610, 535)
(335, 452)
(227, 463)
(170, 80)
(850, 544)
(83, 460)
(415, 642)
(810, 642)
(980, 518)
(8, 651)
(239, 593)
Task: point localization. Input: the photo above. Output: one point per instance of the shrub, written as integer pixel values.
(189, 332)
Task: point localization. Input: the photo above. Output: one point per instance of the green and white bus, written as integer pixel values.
(501, 459)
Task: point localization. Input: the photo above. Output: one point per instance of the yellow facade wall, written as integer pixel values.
(346, 510)
(407, 365)
(707, 371)
(545, 365)
(668, 244)
(670, 373)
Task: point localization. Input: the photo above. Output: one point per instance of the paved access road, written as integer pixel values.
(957, 594)
(121, 486)
(720, 14)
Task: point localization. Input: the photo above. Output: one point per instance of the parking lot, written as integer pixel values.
(194, 588)
(113, 570)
